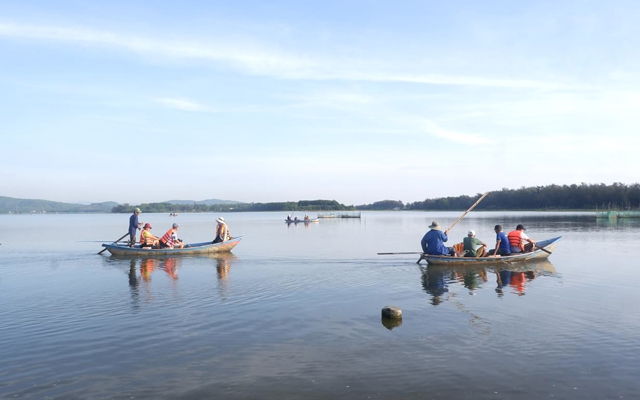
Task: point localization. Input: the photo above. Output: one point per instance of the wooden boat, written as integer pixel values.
(293, 221)
(538, 254)
(189, 249)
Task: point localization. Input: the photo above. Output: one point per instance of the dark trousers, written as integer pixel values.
(501, 252)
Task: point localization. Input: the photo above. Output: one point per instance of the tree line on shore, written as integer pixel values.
(303, 205)
(551, 197)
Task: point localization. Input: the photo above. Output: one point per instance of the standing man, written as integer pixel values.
(134, 225)
(433, 241)
(502, 243)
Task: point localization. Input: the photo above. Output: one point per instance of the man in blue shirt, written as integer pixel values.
(433, 241)
(503, 247)
(134, 225)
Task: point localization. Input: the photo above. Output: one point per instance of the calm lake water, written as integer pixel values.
(294, 312)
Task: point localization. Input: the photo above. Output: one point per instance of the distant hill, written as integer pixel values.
(21, 206)
(208, 202)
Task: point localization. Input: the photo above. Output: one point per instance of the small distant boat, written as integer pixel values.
(538, 254)
(297, 221)
(173, 214)
(189, 249)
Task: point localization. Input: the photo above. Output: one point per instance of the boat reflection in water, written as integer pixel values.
(437, 280)
(141, 271)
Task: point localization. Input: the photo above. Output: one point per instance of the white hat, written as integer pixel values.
(434, 225)
(220, 220)
(471, 233)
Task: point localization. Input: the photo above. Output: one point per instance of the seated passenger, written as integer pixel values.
(433, 241)
(518, 240)
(502, 243)
(148, 239)
(471, 244)
(170, 239)
(222, 231)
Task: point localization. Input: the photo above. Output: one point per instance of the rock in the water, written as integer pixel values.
(391, 312)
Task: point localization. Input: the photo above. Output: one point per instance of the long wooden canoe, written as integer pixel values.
(308, 221)
(539, 254)
(189, 249)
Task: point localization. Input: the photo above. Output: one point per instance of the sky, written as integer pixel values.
(352, 100)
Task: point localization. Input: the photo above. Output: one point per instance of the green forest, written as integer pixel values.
(303, 205)
(617, 196)
(551, 197)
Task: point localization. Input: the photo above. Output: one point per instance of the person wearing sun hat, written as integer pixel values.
(222, 231)
(148, 239)
(433, 241)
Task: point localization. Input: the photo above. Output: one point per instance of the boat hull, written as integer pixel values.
(549, 245)
(194, 248)
(301, 221)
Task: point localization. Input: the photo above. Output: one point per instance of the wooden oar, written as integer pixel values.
(448, 229)
(468, 211)
(543, 249)
(115, 241)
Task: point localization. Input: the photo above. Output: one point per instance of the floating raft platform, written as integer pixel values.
(339, 214)
(618, 214)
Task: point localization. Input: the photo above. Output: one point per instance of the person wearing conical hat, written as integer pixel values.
(433, 241)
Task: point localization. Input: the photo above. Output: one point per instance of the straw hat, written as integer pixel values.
(435, 225)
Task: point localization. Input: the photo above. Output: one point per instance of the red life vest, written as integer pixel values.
(168, 237)
(515, 239)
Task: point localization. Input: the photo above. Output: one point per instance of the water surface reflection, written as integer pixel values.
(437, 279)
(142, 271)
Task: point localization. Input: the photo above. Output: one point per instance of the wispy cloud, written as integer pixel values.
(425, 125)
(182, 104)
(252, 59)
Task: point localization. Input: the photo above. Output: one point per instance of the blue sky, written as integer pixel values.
(356, 101)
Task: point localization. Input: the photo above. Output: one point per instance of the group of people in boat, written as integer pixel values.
(296, 219)
(170, 239)
(515, 242)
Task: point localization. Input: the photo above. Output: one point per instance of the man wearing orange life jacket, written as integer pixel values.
(148, 239)
(170, 239)
(518, 240)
